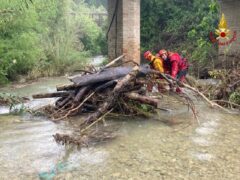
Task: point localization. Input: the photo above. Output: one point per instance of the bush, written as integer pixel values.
(235, 98)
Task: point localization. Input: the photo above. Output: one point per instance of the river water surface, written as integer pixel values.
(172, 145)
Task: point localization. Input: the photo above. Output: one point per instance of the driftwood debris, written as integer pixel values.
(94, 92)
(112, 89)
(98, 93)
(52, 95)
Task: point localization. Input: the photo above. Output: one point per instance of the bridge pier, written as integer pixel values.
(124, 31)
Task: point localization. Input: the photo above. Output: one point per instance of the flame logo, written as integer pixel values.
(222, 32)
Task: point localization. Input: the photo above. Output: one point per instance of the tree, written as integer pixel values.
(46, 37)
(179, 26)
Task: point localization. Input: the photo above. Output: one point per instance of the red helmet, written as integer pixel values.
(146, 54)
(162, 51)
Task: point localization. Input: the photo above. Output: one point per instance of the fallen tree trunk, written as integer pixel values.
(51, 95)
(107, 75)
(113, 95)
(81, 93)
(113, 62)
(143, 99)
(66, 87)
(64, 101)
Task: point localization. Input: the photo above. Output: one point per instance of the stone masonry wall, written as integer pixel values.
(124, 34)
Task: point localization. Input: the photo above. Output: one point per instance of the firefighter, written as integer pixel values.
(156, 63)
(174, 65)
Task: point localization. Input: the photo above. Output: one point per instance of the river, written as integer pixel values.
(172, 145)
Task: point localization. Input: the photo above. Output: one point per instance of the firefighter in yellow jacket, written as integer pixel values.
(156, 63)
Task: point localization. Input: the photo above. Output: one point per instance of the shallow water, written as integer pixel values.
(169, 146)
(97, 60)
(43, 85)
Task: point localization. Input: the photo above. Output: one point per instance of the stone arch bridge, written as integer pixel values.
(124, 31)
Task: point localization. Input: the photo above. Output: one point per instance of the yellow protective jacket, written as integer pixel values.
(157, 64)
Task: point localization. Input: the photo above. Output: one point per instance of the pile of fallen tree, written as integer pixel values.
(111, 89)
(227, 92)
(223, 88)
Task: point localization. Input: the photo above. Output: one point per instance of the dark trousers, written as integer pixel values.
(181, 74)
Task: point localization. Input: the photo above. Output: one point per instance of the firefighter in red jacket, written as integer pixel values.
(174, 65)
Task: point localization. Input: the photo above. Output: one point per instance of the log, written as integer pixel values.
(51, 95)
(106, 85)
(113, 62)
(59, 101)
(66, 87)
(143, 99)
(81, 93)
(90, 107)
(104, 107)
(107, 75)
(73, 86)
(65, 101)
(146, 100)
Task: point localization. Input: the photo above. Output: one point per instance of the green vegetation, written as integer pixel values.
(235, 98)
(97, 2)
(182, 26)
(51, 37)
(47, 37)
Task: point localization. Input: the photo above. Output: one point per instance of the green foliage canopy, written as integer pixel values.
(46, 37)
